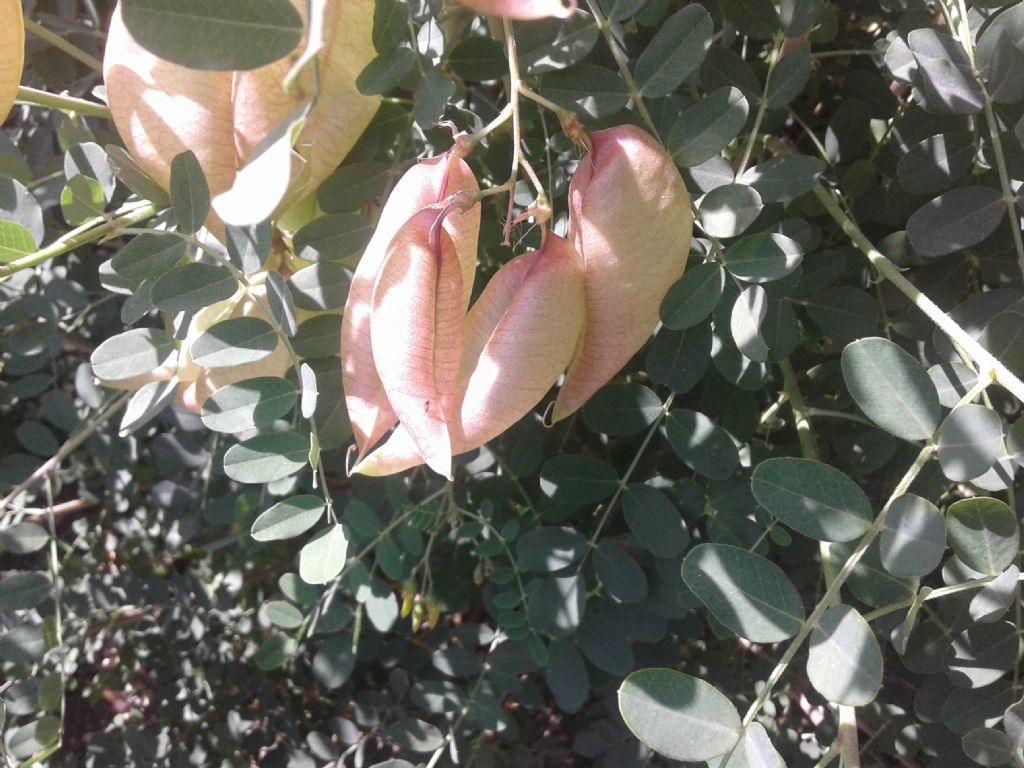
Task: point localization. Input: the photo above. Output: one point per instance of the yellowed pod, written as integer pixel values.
(12, 53)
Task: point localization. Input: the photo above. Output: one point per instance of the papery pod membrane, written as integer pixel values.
(12, 53)
(416, 332)
(426, 183)
(161, 109)
(518, 338)
(523, 10)
(629, 216)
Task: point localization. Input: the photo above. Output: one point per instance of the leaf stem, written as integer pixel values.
(833, 590)
(532, 95)
(540, 208)
(70, 104)
(934, 594)
(88, 428)
(800, 412)
(89, 232)
(310, 622)
(963, 34)
(626, 476)
(762, 105)
(605, 27)
(989, 366)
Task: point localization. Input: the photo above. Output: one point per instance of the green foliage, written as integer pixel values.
(793, 517)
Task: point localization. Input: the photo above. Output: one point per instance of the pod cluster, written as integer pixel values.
(448, 380)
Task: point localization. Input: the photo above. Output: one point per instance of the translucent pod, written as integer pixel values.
(629, 216)
(517, 339)
(161, 109)
(426, 183)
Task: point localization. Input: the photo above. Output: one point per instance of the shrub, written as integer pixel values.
(784, 531)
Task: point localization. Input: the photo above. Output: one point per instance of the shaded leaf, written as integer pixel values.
(891, 388)
(707, 127)
(248, 404)
(192, 32)
(675, 51)
(969, 441)
(955, 220)
(192, 286)
(265, 458)
(844, 662)
(704, 446)
(944, 72)
(812, 498)
(693, 296)
(747, 593)
(983, 532)
(914, 538)
(190, 195)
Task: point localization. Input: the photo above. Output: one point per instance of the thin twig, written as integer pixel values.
(63, 44)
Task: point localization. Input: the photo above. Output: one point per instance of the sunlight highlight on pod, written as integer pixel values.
(523, 10)
(161, 109)
(416, 328)
(426, 183)
(12, 53)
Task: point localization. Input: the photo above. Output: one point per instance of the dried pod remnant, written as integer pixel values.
(630, 218)
(517, 339)
(161, 109)
(427, 183)
(524, 10)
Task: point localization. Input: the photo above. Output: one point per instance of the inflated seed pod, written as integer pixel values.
(161, 109)
(426, 183)
(629, 216)
(517, 339)
(416, 333)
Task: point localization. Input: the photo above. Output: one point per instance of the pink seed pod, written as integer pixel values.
(161, 108)
(523, 10)
(426, 183)
(629, 216)
(416, 333)
(517, 339)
